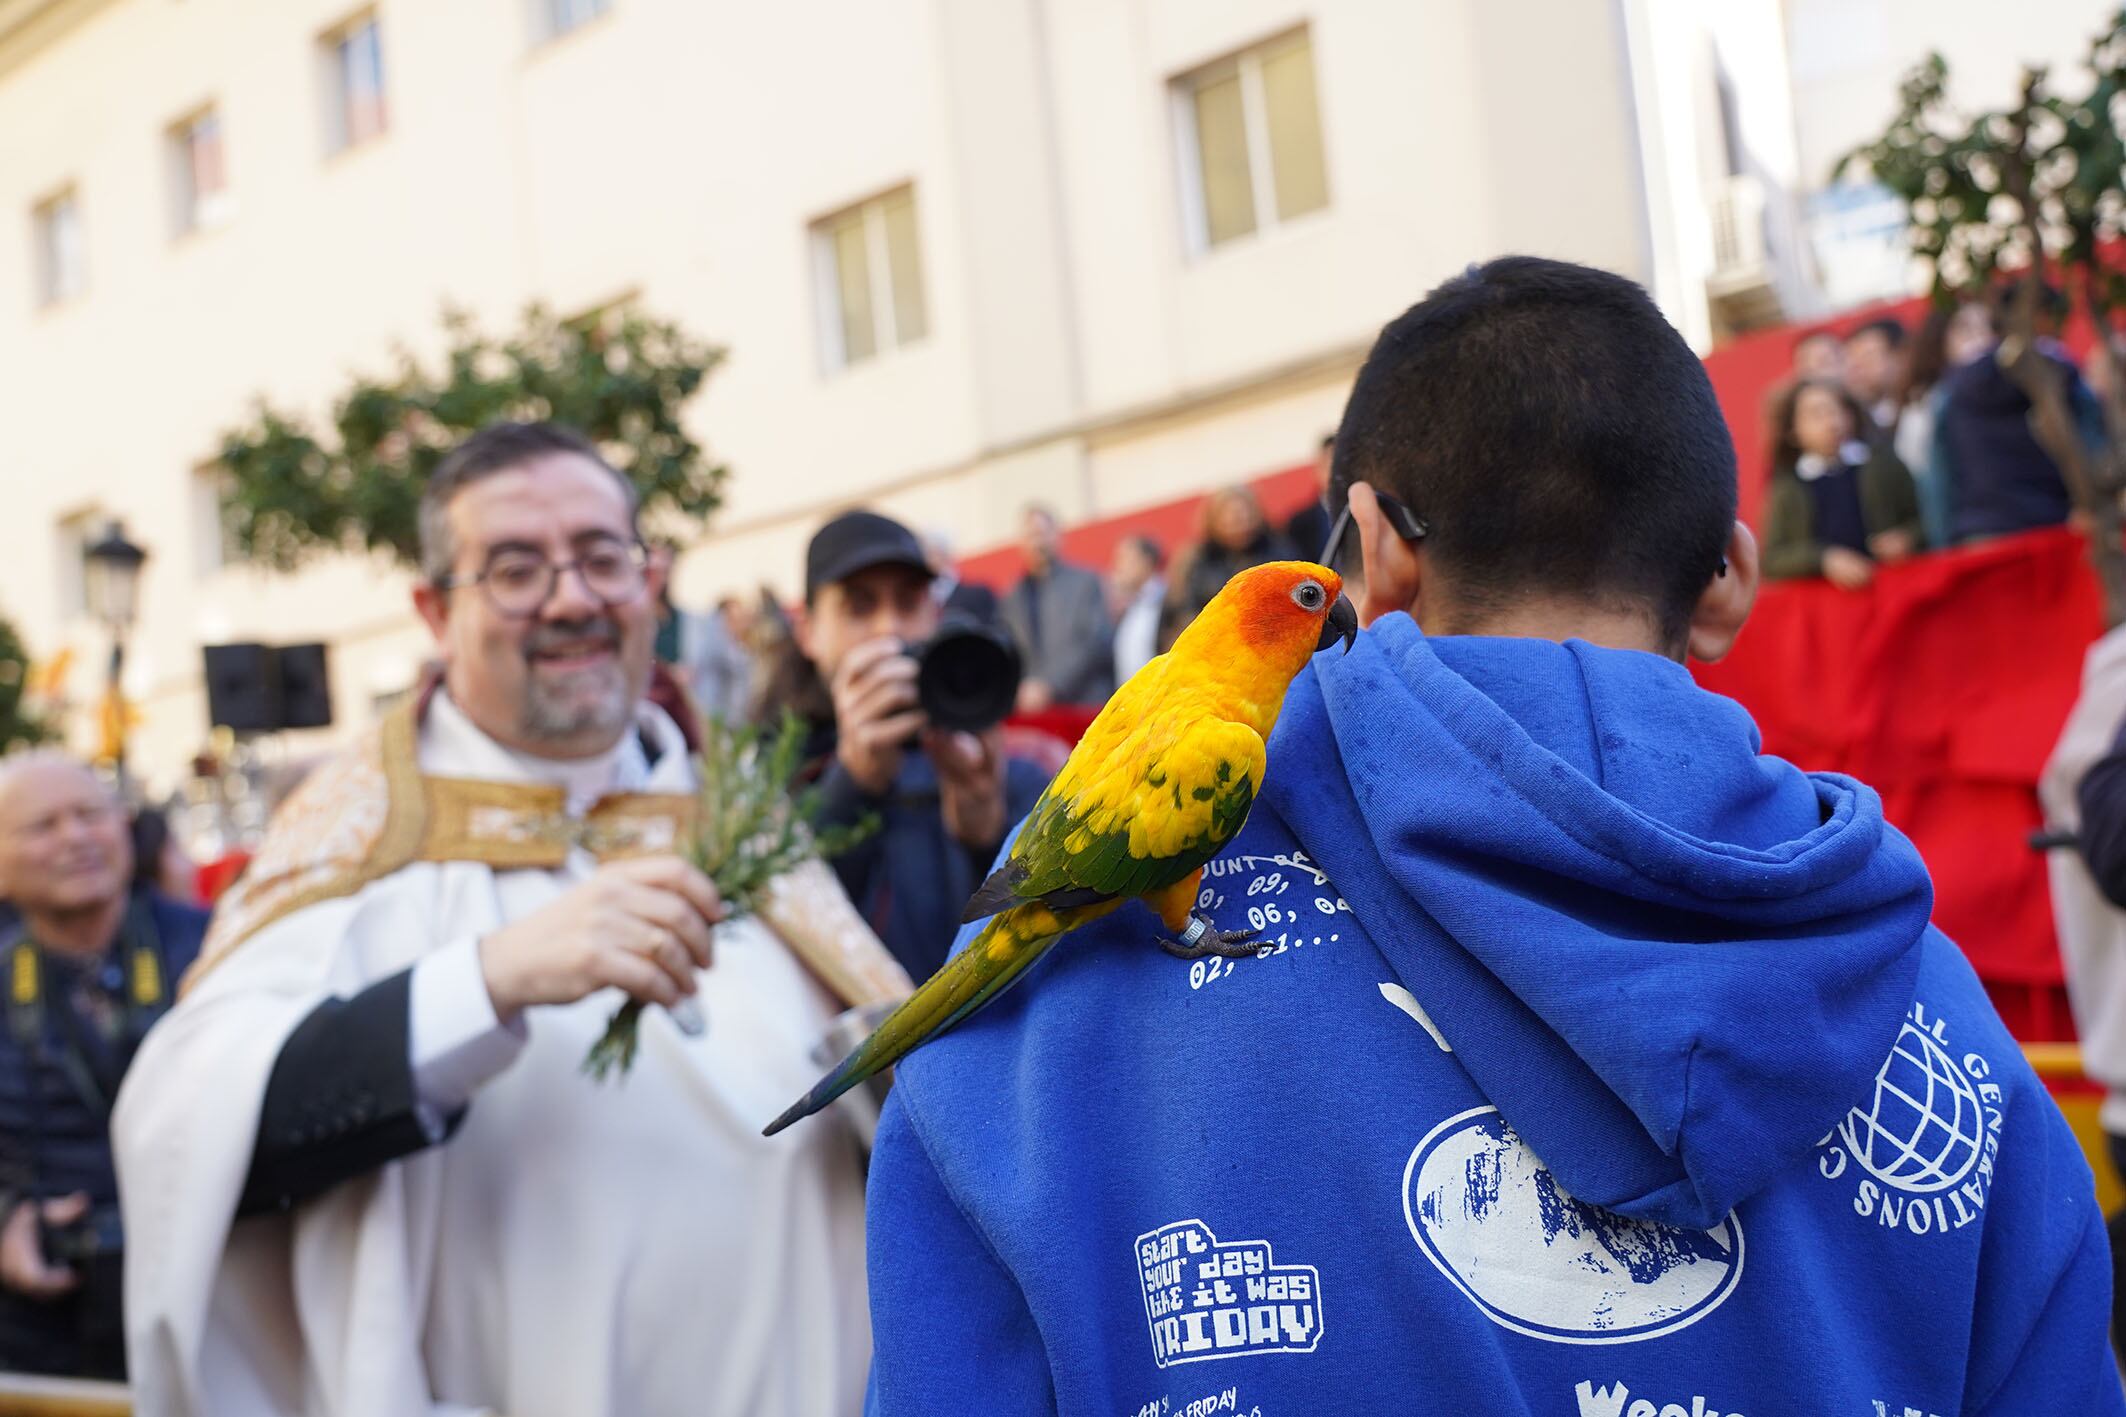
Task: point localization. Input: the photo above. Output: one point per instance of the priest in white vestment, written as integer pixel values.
(362, 1171)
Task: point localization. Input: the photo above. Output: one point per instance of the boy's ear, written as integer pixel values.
(1726, 601)
(1393, 578)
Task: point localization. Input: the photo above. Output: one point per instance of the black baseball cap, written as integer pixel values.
(857, 541)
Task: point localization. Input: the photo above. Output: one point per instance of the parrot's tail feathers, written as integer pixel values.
(992, 961)
(1071, 897)
(999, 892)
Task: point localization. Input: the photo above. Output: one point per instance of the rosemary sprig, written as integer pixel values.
(749, 829)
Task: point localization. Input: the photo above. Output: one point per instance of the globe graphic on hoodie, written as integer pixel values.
(1921, 1131)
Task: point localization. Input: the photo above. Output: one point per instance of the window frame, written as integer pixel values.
(75, 530)
(212, 554)
(1246, 63)
(191, 212)
(46, 267)
(887, 318)
(545, 19)
(338, 93)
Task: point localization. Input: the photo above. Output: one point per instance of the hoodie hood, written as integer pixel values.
(1671, 963)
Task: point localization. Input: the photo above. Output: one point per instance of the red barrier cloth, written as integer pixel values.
(1943, 685)
(216, 876)
(1066, 722)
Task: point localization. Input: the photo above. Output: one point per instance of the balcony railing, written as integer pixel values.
(1739, 248)
(24, 1396)
(1742, 286)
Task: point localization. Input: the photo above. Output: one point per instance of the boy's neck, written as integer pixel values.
(1554, 619)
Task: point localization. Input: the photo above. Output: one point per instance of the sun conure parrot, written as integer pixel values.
(1156, 787)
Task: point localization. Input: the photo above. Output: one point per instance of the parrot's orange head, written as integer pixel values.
(1284, 611)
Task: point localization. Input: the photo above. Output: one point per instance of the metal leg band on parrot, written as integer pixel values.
(1202, 938)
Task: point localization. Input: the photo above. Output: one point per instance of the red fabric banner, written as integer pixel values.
(1943, 685)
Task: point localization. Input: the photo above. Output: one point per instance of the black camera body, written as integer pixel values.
(967, 676)
(79, 1243)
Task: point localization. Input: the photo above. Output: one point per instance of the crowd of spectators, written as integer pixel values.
(1886, 442)
(1078, 632)
(1892, 441)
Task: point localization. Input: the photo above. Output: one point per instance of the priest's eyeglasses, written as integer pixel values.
(518, 581)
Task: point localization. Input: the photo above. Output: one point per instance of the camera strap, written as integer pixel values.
(145, 997)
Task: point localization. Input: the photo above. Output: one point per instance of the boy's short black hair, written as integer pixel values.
(1555, 432)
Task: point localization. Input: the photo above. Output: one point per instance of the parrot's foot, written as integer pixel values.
(1203, 938)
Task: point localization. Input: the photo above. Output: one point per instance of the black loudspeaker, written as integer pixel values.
(243, 688)
(306, 692)
(254, 688)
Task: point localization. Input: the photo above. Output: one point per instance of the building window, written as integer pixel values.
(558, 17)
(870, 274)
(199, 172)
(214, 542)
(62, 258)
(1250, 131)
(354, 83)
(76, 532)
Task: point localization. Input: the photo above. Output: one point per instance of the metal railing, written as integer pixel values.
(1739, 246)
(24, 1396)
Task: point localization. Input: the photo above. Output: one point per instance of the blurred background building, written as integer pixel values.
(962, 253)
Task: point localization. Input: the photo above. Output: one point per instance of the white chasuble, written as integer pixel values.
(575, 1249)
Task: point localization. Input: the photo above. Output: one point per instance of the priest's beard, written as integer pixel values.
(564, 705)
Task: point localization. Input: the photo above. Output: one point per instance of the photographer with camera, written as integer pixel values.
(91, 963)
(913, 733)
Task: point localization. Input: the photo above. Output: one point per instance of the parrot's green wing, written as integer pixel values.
(1133, 820)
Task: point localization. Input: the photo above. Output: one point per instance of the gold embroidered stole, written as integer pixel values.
(513, 825)
(373, 811)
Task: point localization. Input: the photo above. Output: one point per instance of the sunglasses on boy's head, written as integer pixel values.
(1343, 533)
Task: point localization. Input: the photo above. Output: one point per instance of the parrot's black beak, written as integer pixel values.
(1342, 625)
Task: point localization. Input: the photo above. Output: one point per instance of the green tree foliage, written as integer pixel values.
(620, 377)
(2016, 197)
(18, 727)
(2009, 190)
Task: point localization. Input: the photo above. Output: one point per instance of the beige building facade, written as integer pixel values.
(962, 253)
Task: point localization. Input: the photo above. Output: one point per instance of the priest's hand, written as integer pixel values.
(640, 925)
(22, 1266)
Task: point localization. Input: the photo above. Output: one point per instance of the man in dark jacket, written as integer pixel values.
(91, 963)
(944, 799)
(1997, 477)
(1058, 614)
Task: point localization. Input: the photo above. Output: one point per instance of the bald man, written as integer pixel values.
(89, 963)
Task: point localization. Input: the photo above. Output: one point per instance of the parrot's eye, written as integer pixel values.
(1309, 596)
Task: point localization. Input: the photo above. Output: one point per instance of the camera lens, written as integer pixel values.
(967, 677)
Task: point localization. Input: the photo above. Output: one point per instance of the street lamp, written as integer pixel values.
(113, 593)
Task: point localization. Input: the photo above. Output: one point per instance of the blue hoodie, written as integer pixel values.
(1596, 1065)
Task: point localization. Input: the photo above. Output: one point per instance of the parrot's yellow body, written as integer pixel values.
(1156, 787)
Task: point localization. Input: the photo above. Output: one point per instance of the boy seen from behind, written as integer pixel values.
(1594, 1063)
